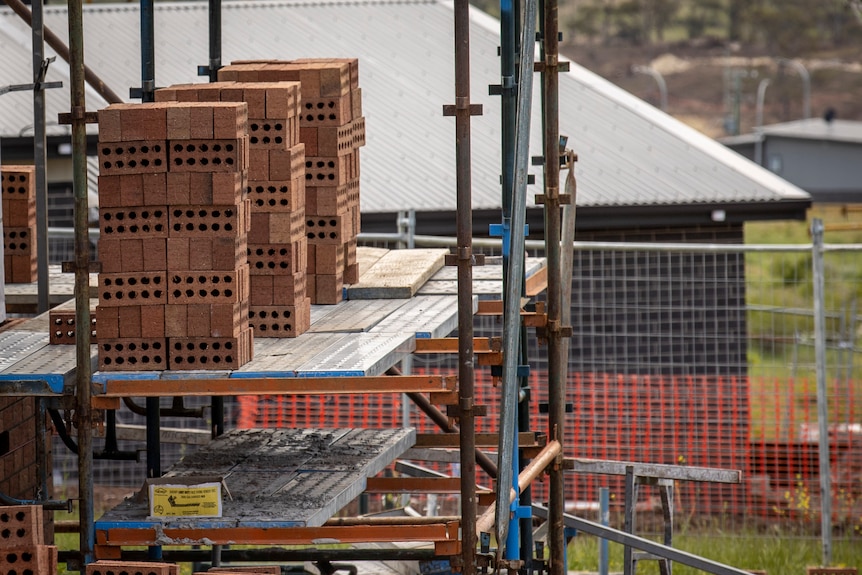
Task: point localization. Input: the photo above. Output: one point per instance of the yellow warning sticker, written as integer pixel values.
(195, 500)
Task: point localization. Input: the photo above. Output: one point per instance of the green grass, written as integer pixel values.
(777, 555)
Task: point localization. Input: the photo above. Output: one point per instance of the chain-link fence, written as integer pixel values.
(691, 355)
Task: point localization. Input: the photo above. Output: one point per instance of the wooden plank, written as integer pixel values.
(398, 274)
(366, 257)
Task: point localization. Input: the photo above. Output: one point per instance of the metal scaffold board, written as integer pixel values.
(277, 477)
(356, 316)
(27, 356)
(426, 316)
(360, 354)
(275, 357)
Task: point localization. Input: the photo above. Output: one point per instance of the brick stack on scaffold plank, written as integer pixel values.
(22, 542)
(108, 567)
(332, 128)
(19, 223)
(173, 289)
(277, 248)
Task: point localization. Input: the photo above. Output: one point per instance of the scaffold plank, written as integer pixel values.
(398, 274)
(277, 478)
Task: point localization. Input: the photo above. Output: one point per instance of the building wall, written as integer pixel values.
(19, 476)
(658, 313)
(824, 169)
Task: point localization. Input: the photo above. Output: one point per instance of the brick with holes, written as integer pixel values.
(331, 200)
(281, 321)
(208, 155)
(186, 287)
(106, 567)
(19, 241)
(21, 526)
(329, 229)
(27, 559)
(278, 259)
(277, 196)
(133, 289)
(61, 326)
(225, 221)
(211, 353)
(133, 222)
(137, 157)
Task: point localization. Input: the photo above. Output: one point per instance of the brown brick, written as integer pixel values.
(108, 320)
(199, 320)
(19, 241)
(201, 123)
(208, 155)
(356, 102)
(200, 255)
(146, 121)
(130, 321)
(287, 164)
(20, 269)
(104, 567)
(281, 321)
(61, 326)
(155, 254)
(328, 259)
(328, 229)
(277, 196)
(110, 255)
(176, 320)
(153, 321)
(19, 212)
(278, 259)
(211, 353)
(258, 163)
(21, 526)
(351, 274)
(328, 288)
(325, 111)
(287, 227)
(132, 255)
(133, 289)
(35, 559)
(139, 157)
(110, 125)
(282, 100)
(228, 320)
(208, 287)
(109, 191)
(331, 200)
(224, 221)
(179, 253)
(179, 122)
(134, 222)
(230, 120)
(155, 189)
(328, 171)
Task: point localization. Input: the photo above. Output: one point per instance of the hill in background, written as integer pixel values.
(715, 53)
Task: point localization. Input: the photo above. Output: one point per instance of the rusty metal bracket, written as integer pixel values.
(562, 199)
(78, 113)
(452, 109)
(476, 260)
(454, 411)
(71, 267)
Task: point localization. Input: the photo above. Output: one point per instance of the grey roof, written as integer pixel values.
(847, 131)
(631, 154)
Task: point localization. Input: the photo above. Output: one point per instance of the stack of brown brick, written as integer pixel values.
(174, 287)
(332, 128)
(19, 223)
(22, 542)
(106, 567)
(277, 248)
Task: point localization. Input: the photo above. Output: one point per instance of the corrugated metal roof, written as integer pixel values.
(630, 153)
(818, 129)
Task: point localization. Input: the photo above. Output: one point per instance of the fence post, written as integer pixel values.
(817, 266)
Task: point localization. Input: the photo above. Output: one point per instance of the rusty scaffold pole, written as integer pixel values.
(464, 259)
(556, 333)
(83, 382)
